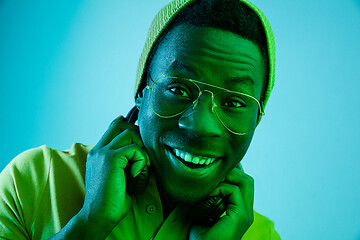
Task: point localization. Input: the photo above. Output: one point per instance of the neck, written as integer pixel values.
(168, 203)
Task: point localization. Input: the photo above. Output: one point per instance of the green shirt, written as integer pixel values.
(43, 188)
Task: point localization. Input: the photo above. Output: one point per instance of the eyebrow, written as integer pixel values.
(242, 80)
(176, 64)
(239, 80)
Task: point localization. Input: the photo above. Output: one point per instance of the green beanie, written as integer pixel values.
(167, 13)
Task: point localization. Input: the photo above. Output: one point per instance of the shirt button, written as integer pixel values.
(150, 209)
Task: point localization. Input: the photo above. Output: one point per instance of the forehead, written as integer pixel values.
(211, 55)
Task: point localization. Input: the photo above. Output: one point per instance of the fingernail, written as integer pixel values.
(138, 173)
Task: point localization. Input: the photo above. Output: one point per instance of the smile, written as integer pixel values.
(190, 158)
(192, 166)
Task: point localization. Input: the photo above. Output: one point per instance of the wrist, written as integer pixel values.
(80, 227)
(93, 227)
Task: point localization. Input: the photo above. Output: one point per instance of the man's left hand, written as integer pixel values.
(238, 188)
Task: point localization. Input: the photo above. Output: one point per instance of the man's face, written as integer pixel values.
(214, 57)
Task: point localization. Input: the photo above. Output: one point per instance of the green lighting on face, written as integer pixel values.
(237, 111)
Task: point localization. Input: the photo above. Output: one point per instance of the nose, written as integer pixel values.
(200, 120)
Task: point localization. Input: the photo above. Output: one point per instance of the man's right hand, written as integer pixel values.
(106, 202)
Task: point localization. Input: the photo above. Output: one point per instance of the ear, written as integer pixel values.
(140, 98)
(259, 116)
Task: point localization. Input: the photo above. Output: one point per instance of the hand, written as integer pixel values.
(238, 188)
(106, 202)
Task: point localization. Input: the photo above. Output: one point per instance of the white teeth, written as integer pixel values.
(196, 160)
(188, 157)
(192, 158)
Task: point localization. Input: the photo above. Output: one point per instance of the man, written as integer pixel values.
(203, 80)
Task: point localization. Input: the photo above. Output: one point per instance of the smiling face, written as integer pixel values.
(211, 56)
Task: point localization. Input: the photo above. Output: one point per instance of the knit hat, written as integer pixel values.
(167, 13)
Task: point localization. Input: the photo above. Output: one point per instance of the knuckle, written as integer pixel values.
(118, 120)
(249, 179)
(128, 132)
(125, 136)
(234, 187)
(120, 130)
(122, 124)
(231, 187)
(131, 149)
(92, 153)
(132, 146)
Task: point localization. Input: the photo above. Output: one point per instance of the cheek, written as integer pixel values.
(147, 125)
(148, 135)
(152, 129)
(240, 145)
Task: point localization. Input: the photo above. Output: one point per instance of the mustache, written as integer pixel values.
(214, 145)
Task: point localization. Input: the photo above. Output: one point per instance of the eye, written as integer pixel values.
(180, 91)
(235, 103)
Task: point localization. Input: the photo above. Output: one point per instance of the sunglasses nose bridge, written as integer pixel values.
(196, 101)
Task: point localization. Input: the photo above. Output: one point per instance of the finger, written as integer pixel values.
(137, 167)
(117, 126)
(126, 137)
(122, 121)
(119, 118)
(133, 155)
(235, 210)
(239, 166)
(235, 176)
(246, 185)
(232, 192)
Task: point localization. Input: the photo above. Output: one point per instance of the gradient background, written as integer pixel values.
(67, 69)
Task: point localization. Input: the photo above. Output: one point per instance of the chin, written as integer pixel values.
(186, 198)
(186, 194)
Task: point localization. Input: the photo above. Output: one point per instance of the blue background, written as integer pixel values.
(67, 69)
